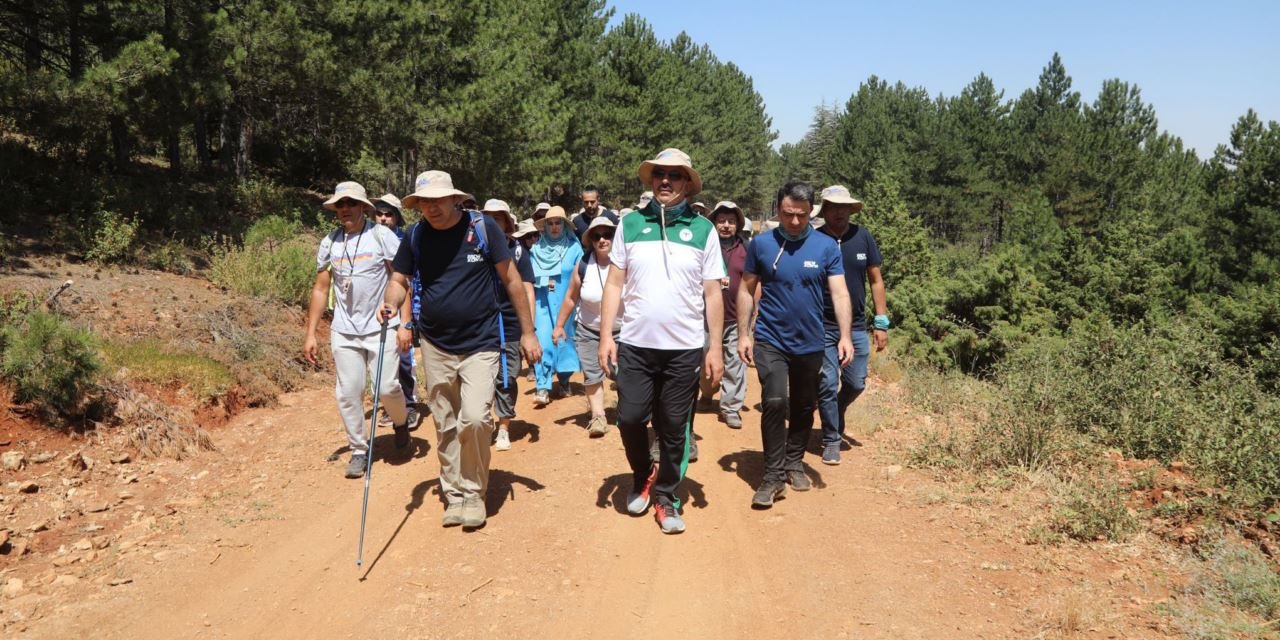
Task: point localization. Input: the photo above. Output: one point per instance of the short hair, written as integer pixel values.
(796, 190)
(591, 188)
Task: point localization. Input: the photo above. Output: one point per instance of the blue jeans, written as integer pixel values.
(839, 387)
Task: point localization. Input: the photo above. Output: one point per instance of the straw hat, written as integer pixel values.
(432, 185)
(598, 221)
(554, 213)
(525, 228)
(353, 190)
(727, 205)
(493, 205)
(837, 194)
(674, 158)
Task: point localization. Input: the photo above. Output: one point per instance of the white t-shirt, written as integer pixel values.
(591, 293)
(662, 301)
(357, 265)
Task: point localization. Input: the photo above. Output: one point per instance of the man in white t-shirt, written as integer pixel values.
(665, 273)
(356, 260)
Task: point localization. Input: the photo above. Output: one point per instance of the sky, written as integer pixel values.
(1202, 65)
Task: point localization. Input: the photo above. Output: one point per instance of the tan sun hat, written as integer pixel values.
(433, 185)
(700, 207)
(644, 200)
(554, 213)
(672, 158)
(729, 205)
(525, 228)
(598, 221)
(353, 190)
(836, 194)
(493, 205)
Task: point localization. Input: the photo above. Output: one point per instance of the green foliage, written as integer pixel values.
(275, 262)
(1093, 510)
(113, 237)
(151, 361)
(49, 363)
(170, 256)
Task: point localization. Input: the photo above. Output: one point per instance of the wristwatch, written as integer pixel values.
(408, 325)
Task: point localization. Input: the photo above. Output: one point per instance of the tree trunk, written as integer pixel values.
(226, 141)
(31, 45)
(201, 135)
(75, 39)
(244, 151)
(120, 142)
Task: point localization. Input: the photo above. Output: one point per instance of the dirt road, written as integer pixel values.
(263, 545)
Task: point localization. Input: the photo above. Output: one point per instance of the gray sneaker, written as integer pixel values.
(831, 453)
(452, 515)
(412, 418)
(668, 518)
(799, 481)
(693, 448)
(597, 427)
(638, 501)
(355, 468)
(734, 420)
(769, 491)
(473, 514)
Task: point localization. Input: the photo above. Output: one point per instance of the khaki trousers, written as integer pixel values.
(460, 394)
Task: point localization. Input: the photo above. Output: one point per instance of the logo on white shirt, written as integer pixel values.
(647, 230)
(810, 264)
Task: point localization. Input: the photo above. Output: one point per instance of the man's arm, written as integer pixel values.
(882, 308)
(844, 316)
(746, 311)
(609, 304)
(319, 297)
(713, 298)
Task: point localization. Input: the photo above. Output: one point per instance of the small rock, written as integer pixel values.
(13, 460)
(101, 542)
(4, 537)
(120, 458)
(39, 525)
(161, 556)
(76, 462)
(28, 487)
(65, 580)
(97, 508)
(125, 495)
(90, 528)
(83, 544)
(893, 470)
(129, 479)
(13, 587)
(41, 458)
(119, 581)
(65, 561)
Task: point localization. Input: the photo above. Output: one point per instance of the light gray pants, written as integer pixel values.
(733, 384)
(354, 357)
(460, 394)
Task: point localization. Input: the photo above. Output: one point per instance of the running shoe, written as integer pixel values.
(452, 515)
(597, 427)
(473, 514)
(638, 503)
(831, 453)
(355, 468)
(799, 481)
(734, 420)
(541, 398)
(668, 517)
(769, 491)
(503, 441)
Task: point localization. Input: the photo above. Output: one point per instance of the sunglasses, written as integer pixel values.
(674, 176)
(604, 235)
(346, 203)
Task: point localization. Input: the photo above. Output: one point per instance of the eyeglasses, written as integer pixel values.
(604, 235)
(346, 203)
(674, 176)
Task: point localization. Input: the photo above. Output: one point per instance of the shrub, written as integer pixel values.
(112, 238)
(151, 361)
(170, 256)
(1093, 510)
(49, 363)
(270, 264)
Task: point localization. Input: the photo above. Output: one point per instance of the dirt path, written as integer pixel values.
(264, 546)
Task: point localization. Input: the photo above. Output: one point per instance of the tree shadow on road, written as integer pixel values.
(502, 486)
(416, 498)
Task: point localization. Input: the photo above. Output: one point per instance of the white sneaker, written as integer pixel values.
(503, 443)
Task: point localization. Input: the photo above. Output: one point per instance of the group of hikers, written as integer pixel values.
(670, 300)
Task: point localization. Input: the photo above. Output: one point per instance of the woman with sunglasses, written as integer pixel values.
(586, 289)
(554, 258)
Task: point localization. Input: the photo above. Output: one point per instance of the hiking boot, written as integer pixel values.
(402, 435)
(769, 491)
(503, 442)
(541, 398)
(452, 515)
(638, 502)
(668, 518)
(693, 448)
(831, 453)
(734, 420)
(799, 481)
(355, 468)
(473, 514)
(597, 427)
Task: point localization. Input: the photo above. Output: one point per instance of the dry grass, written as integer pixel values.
(155, 429)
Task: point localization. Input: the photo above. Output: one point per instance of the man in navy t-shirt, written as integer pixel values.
(795, 268)
(506, 390)
(463, 263)
(591, 208)
(841, 385)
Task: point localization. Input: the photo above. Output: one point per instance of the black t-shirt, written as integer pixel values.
(460, 288)
(524, 265)
(858, 249)
(581, 222)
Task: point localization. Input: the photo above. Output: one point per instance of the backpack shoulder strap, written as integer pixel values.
(482, 239)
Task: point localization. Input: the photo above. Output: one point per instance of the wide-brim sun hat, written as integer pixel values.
(525, 228)
(493, 205)
(598, 221)
(729, 205)
(644, 200)
(554, 213)
(675, 159)
(388, 201)
(353, 190)
(837, 194)
(433, 185)
(700, 207)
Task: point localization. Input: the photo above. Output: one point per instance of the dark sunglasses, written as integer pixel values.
(345, 203)
(674, 176)
(605, 235)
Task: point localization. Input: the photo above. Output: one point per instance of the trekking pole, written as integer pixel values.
(373, 424)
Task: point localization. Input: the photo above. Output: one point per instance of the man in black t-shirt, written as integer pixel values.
(590, 209)
(463, 263)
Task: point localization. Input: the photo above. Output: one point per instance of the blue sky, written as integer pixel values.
(1201, 64)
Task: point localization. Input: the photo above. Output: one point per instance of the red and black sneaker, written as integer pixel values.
(638, 502)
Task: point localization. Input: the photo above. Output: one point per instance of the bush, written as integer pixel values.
(112, 238)
(170, 256)
(149, 360)
(49, 363)
(1093, 510)
(270, 264)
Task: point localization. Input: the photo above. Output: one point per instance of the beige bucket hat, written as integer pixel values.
(836, 194)
(674, 158)
(554, 213)
(494, 205)
(644, 200)
(353, 190)
(525, 228)
(432, 185)
(701, 207)
(598, 221)
(729, 205)
(541, 206)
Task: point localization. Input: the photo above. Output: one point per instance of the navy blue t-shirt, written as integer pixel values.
(581, 222)
(792, 291)
(860, 251)
(459, 306)
(524, 265)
